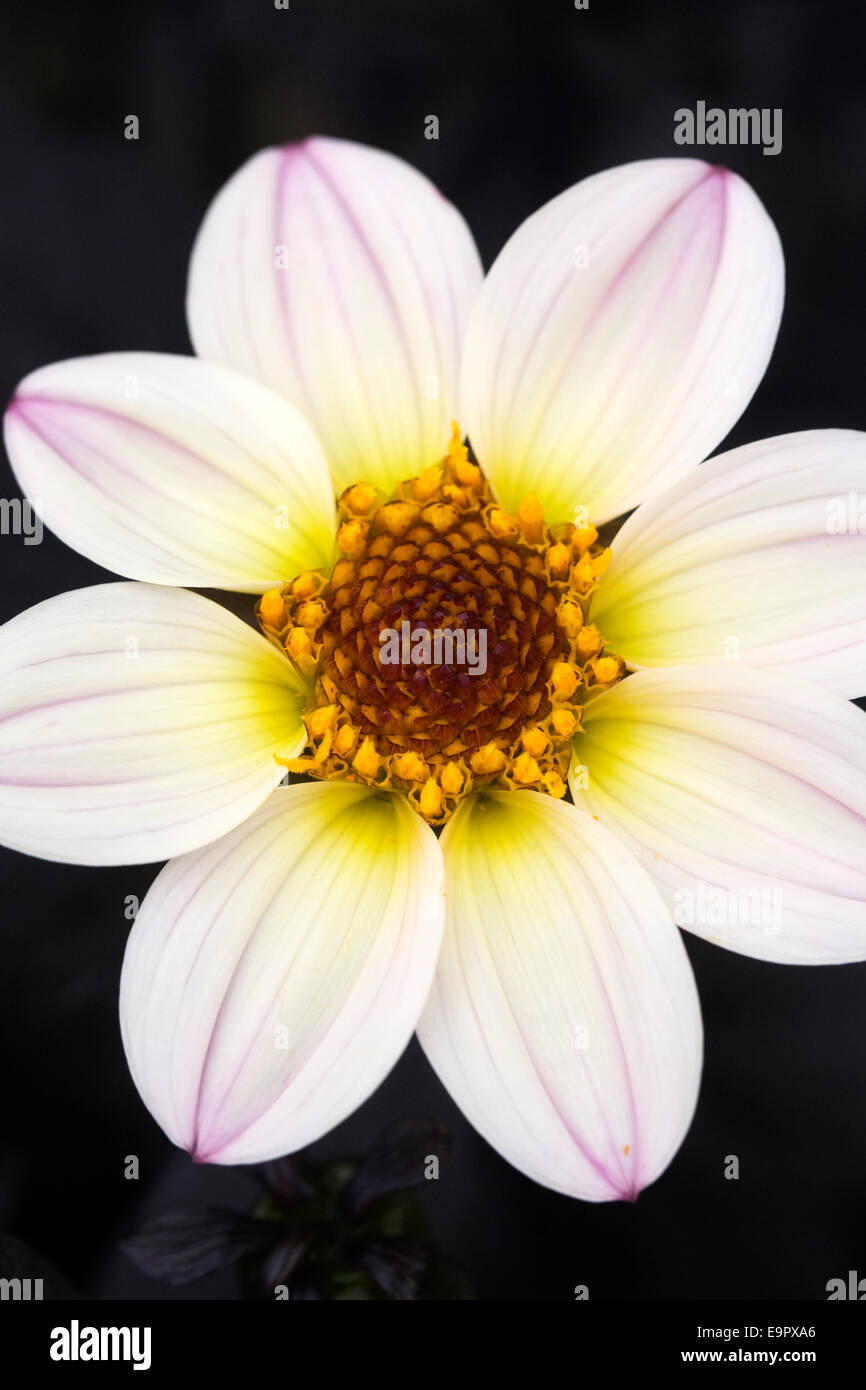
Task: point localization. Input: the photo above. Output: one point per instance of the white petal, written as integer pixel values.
(620, 334)
(171, 470)
(752, 557)
(342, 278)
(137, 722)
(744, 796)
(273, 979)
(564, 1019)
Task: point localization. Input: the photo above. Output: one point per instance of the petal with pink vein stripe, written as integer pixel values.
(759, 556)
(274, 978)
(744, 795)
(620, 334)
(564, 1019)
(172, 471)
(137, 722)
(340, 276)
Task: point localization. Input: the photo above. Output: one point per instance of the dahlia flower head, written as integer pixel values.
(375, 438)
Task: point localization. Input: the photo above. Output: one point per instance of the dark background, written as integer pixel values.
(95, 232)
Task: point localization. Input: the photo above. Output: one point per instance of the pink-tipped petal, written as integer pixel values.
(137, 722)
(744, 795)
(172, 471)
(759, 557)
(273, 979)
(564, 1018)
(340, 276)
(620, 334)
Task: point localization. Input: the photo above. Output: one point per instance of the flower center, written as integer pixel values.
(448, 649)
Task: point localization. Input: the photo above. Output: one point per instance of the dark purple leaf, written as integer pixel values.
(396, 1161)
(287, 1180)
(281, 1262)
(185, 1243)
(396, 1263)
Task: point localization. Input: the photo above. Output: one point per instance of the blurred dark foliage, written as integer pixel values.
(341, 1230)
(95, 235)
